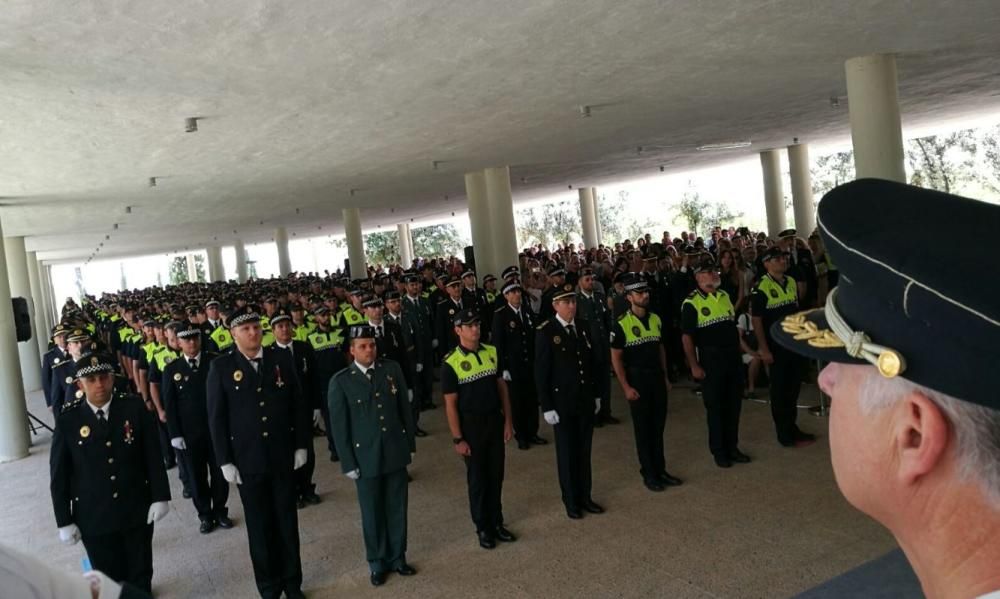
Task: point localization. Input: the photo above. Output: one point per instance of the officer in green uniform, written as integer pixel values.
(708, 324)
(374, 431)
(773, 298)
(640, 364)
(479, 417)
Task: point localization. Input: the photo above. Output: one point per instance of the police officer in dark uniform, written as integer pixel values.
(62, 381)
(557, 281)
(592, 306)
(259, 421)
(108, 484)
(373, 421)
(564, 367)
(514, 338)
(708, 322)
(801, 267)
(640, 364)
(52, 358)
(417, 311)
(774, 297)
(327, 342)
(444, 316)
(185, 401)
(479, 416)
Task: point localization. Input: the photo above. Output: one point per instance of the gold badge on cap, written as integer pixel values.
(177, 376)
(567, 287)
(238, 376)
(93, 361)
(85, 431)
(890, 364)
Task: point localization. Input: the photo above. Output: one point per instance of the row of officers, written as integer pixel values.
(245, 416)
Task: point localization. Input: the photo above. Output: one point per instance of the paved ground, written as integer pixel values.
(772, 528)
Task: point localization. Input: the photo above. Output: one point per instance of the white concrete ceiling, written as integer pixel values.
(303, 101)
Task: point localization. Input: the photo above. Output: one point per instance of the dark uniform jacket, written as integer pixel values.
(514, 339)
(421, 321)
(257, 419)
(444, 321)
(396, 344)
(564, 367)
(185, 400)
(594, 310)
(105, 482)
(372, 420)
(475, 299)
(306, 368)
(54, 357)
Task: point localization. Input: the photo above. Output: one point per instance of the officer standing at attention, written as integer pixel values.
(773, 298)
(640, 364)
(327, 342)
(108, 484)
(259, 421)
(444, 315)
(564, 369)
(373, 427)
(592, 306)
(52, 358)
(184, 400)
(418, 313)
(708, 324)
(514, 338)
(220, 333)
(478, 410)
(557, 282)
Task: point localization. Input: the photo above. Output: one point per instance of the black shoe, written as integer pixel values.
(311, 498)
(723, 462)
(206, 527)
(186, 494)
(593, 507)
(599, 423)
(486, 540)
(611, 420)
(505, 535)
(538, 440)
(739, 457)
(670, 480)
(523, 445)
(334, 457)
(574, 513)
(429, 406)
(405, 570)
(224, 522)
(295, 594)
(377, 578)
(420, 432)
(301, 503)
(801, 436)
(654, 485)
(169, 465)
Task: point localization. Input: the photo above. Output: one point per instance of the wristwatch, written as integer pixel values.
(457, 440)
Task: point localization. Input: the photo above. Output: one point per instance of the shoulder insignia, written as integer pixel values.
(542, 325)
(69, 405)
(500, 309)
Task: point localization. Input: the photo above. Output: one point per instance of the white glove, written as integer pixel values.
(317, 417)
(353, 474)
(551, 417)
(231, 474)
(506, 375)
(69, 535)
(157, 511)
(409, 395)
(178, 443)
(301, 456)
(597, 404)
(420, 367)
(434, 343)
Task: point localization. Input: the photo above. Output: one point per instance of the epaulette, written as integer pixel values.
(448, 355)
(69, 405)
(542, 325)
(499, 309)
(63, 363)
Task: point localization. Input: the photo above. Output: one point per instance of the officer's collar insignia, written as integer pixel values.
(557, 340)
(85, 431)
(238, 376)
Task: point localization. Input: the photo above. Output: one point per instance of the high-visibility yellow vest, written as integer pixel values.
(468, 369)
(223, 340)
(329, 340)
(637, 333)
(713, 308)
(778, 296)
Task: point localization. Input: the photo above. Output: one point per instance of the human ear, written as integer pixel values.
(921, 436)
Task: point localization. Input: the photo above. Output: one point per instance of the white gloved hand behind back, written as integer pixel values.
(231, 474)
(301, 457)
(353, 474)
(157, 511)
(70, 534)
(178, 443)
(552, 417)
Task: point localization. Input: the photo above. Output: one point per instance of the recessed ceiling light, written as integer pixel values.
(191, 124)
(152, 181)
(729, 145)
(585, 111)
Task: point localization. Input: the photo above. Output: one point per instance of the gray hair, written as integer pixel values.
(976, 428)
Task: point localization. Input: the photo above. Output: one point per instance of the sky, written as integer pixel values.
(737, 184)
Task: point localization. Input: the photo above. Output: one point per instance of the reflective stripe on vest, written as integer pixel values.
(164, 356)
(469, 369)
(636, 333)
(352, 316)
(712, 309)
(776, 296)
(321, 341)
(150, 349)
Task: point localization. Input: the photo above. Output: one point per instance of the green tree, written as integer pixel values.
(199, 268)
(700, 214)
(438, 241)
(178, 270)
(943, 162)
(382, 247)
(549, 224)
(830, 171)
(989, 140)
(609, 212)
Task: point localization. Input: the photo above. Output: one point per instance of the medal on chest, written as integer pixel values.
(128, 433)
(278, 381)
(392, 384)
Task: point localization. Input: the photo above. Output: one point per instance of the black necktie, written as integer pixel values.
(102, 422)
(256, 364)
(194, 364)
(378, 332)
(571, 330)
(368, 373)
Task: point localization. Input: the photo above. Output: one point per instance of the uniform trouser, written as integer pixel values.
(484, 468)
(304, 484)
(574, 435)
(649, 419)
(786, 381)
(383, 502)
(423, 383)
(524, 406)
(125, 556)
(171, 456)
(273, 531)
(722, 391)
(209, 497)
(602, 378)
(324, 409)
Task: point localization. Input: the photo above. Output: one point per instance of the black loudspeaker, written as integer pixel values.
(470, 258)
(347, 267)
(22, 321)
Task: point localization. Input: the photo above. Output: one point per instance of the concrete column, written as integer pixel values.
(192, 268)
(588, 214)
(41, 329)
(597, 215)
(873, 104)
(479, 223)
(284, 261)
(774, 199)
(17, 271)
(122, 281)
(13, 409)
(802, 192)
(405, 244)
(43, 296)
(241, 261)
(55, 310)
(501, 203)
(216, 272)
(355, 243)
